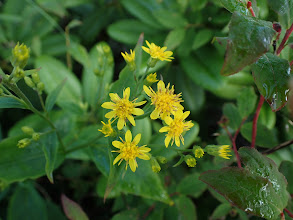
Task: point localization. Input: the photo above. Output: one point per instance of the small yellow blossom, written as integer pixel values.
(190, 161)
(129, 151)
(130, 59)
(152, 78)
(198, 151)
(107, 129)
(20, 55)
(23, 143)
(122, 108)
(157, 52)
(155, 165)
(164, 100)
(176, 127)
(219, 151)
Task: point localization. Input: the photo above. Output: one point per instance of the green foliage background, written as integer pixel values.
(76, 39)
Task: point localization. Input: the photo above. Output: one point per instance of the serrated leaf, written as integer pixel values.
(264, 137)
(26, 204)
(52, 73)
(246, 102)
(249, 38)
(7, 102)
(271, 75)
(232, 6)
(52, 97)
(72, 210)
(286, 168)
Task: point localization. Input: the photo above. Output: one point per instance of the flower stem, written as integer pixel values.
(249, 7)
(234, 142)
(288, 212)
(287, 35)
(254, 123)
(279, 147)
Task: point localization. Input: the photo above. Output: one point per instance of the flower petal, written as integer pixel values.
(155, 114)
(117, 159)
(137, 138)
(139, 103)
(117, 144)
(137, 111)
(110, 114)
(168, 120)
(147, 91)
(108, 105)
(167, 140)
(161, 86)
(144, 149)
(126, 93)
(121, 123)
(177, 141)
(114, 97)
(147, 50)
(128, 136)
(133, 165)
(143, 156)
(164, 129)
(131, 119)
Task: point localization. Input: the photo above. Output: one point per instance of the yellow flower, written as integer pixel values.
(129, 57)
(190, 161)
(164, 100)
(152, 78)
(198, 151)
(219, 151)
(20, 55)
(129, 151)
(122, 108)
(155, 165)
(176, 127)
(157, 52)
(107, 129)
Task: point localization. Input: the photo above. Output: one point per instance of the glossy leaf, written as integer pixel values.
(246, 102)
(52, 97)
(50, 147)
(26, 204)
(21, 164)
(52, 73)
(249, 38)
(7, 102)
(232, 6)
(285, 10)
(271, 75)
(72, 210)
(264, 137)
(286, 168)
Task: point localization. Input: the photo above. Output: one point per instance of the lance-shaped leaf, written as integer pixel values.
(72, 210)
(249, 38)
(271, 76)
(259, 188)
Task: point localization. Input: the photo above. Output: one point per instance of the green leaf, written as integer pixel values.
(131, 214)
(175, 38)
(232, 6)
(285, 10)
(142, 11)
(264, 137)
(50, 146)
(201, 38)
(99, 155)
(79, 53)
(21, 164)
(267, 117)
(52, 73)
(54, 211)
(286, 168)
(271, 76)
(26, 204)
(246, 102)
(221, 211)
(52, 97)
(170, 19)
(232, 113)
(72, 210)
(185, 208)
(190, 185)
(98, 74)
(249, 38)
(7, 102)
(144, 127)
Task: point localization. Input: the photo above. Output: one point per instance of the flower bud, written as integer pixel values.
(190, 161)
(23, 143)
(155, 165)
(150, 79)
(20, 55)
(19, 73)
(36, 136)
(198, 151)
(152, 62)
(27, 130)
(29, 82)
(161, 159)
(40, 86)
(219, 151)
(36, 77)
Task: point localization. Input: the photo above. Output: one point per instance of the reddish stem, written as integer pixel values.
(289, 213)
(254, 123)
(291, 63)
(287, 35)
(250, 8)
(148, 212)
(234, 142)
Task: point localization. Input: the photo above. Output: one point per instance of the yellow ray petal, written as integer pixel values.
(137, 138)
(121, 123)
(128, 136)
(108, 105)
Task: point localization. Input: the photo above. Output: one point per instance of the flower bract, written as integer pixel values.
(176, 127)
(122, 108)
(164, 100)
(129, 151)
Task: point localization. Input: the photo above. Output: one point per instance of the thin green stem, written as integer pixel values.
(42, 102)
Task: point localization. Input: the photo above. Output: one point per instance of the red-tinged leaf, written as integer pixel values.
(271, 75)
(72, 210)
(249, 38)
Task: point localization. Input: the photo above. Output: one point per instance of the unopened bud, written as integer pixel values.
(40, 86)
(36, 77)
(20, 55)
(277, 27)
(29, 82)
(161, 159)
(19, 73)
(190, 161)
(152, 62)
(27, 130)
(155, 165)
(36, 136)
(23, 143)
(249, 4)
(198, 151)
